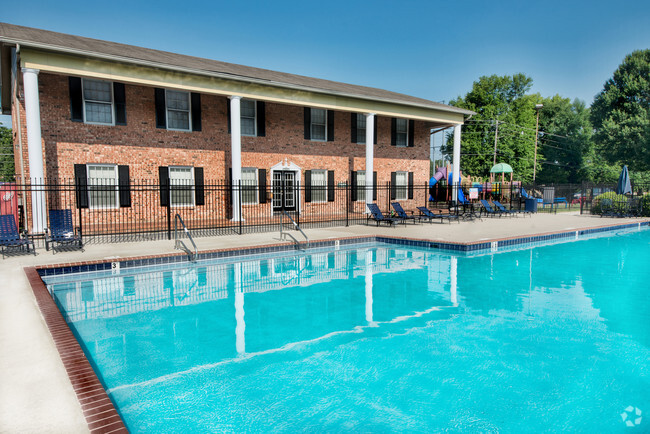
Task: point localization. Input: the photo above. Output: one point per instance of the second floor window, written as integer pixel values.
(318, 124)
(178, 110)
(401, 132)
(248, 118)
(98, 101)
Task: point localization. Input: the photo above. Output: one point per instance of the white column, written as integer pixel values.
(34, 148)
(369, 315)
(240, 327)
(456, 163)
(454, 281)
(370, 140)
(235, 151)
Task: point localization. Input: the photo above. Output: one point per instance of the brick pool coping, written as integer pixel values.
(98, 409)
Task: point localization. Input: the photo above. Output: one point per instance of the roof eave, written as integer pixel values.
(140, 62)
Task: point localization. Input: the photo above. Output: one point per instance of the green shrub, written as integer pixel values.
(645, 205)
(618, 203)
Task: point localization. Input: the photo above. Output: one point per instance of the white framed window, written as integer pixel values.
(178, 110)
(401, 185)
(98, 102)
(401, 132)
(248, 115)
(249, 186)
(361, 128)
(319, 185)
(181, 185)
(361, 185)
(318, 124)
(102, 186)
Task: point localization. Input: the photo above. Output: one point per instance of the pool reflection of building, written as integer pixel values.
(209, 313)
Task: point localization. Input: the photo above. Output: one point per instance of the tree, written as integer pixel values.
(503, 98)
(565, 141)
(7, 171)
(621, 113)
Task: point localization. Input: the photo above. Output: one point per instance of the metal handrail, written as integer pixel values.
(180, 244)
(284, 234)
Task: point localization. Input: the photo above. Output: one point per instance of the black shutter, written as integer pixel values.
(124, 186)
(199, 183)
(119, 96)
(81, 185)
(330, 186)
(330, 125)
(410, 188)
(353, 127)
(375, 133)
(393, 185)
(261, 119)
(411, 141)
(228, 115)
(163, 176)
(196, 111)
(393, 132)
(261, 182)
(307, 123)
(161, 109)
(353, 186)
(76, 100)
(374, 185)
(307, 185)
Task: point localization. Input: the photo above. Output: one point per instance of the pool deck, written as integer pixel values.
(35, 392)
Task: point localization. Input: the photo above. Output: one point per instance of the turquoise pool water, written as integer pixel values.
(380, 338)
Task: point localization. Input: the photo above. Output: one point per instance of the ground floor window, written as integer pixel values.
(102, 185)
(181, 184)
(319, 185)
(401, 185)
(361, 185)
(249, 185)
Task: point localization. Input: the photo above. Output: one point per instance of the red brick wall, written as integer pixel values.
(144, 147)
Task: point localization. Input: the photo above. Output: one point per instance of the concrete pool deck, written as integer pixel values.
(35, 392)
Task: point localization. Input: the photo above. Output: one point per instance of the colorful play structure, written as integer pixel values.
(475, 188)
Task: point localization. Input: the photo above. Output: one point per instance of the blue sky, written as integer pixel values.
(428, 49)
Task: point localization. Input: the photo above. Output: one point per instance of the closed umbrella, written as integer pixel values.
(624, 186)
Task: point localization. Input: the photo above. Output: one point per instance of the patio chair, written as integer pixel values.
(503, 210)
(61, 231)
(426, 213)
(11, 238)
(487, 208)
(376, 215)
(401, 213)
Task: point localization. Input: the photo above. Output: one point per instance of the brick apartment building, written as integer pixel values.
(103, 113)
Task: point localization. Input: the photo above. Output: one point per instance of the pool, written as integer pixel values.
(375, 338)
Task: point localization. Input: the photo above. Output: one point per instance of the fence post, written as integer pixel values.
(241, 216)
(169, 212)
(347, 205)
(582, 197)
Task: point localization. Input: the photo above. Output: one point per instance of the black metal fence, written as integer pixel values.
(114, 211)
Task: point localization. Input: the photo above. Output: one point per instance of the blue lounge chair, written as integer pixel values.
(426, 213)
(487, 208)
(376, 215)
(503, 210)
(10, 237)
(61, 230)
(401, 213)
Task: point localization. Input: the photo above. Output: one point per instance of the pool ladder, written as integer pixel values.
(284, 234)
(180, 244)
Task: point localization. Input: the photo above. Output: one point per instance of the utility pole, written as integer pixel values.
(496, 137)
(537, 107)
